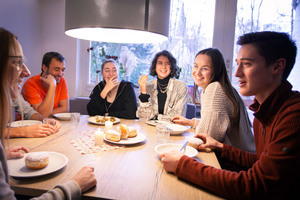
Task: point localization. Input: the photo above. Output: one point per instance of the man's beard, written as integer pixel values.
(57, 81)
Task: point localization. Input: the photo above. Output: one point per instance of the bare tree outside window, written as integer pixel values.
(262, 15)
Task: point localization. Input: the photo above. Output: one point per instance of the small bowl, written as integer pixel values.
(163, 148)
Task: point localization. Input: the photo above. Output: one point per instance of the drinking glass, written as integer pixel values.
(75, 118)
(49, 121)
(162, 133)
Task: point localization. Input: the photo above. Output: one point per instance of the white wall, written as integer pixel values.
(39, 25)
(54, 39)
(22, 19)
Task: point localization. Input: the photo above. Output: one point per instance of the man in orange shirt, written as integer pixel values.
(47, 92)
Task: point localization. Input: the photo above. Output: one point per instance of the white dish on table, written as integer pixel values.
(163, 148)
(22, 123)
(137, 139)
(176, 129)
(154, 122)
(93, 120)
(18, 169)
(63, 116)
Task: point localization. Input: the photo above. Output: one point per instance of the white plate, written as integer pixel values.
(17, 166)
(176, 129)
(137, 139)
(93, 120)
(24, 123)
(63, 116)
(163, 148)
(154, 122)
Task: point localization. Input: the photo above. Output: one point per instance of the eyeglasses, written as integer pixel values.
(18, 61)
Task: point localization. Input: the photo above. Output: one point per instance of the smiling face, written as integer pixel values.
(163, 67)
(202, 70)
(255, 77)
(56, 69)
(109, 71)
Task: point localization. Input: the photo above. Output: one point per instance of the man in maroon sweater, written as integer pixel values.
(265, 60)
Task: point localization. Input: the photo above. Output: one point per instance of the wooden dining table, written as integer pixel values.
(131, 172)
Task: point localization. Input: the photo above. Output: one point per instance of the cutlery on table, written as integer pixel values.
(184, 145)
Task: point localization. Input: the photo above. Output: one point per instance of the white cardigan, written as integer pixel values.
(175, 103)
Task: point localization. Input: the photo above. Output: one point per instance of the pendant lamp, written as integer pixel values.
(118, 21)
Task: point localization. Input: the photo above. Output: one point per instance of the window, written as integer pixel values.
(191, 29)
(262, 15)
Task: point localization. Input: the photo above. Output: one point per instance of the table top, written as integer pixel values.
(132, 172)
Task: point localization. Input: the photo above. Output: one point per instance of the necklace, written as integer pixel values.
(163, 90)
(162, 85)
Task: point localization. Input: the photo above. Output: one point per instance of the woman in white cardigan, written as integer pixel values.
(223, 113)
(164, 97)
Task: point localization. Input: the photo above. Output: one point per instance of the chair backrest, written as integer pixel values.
(190, 111)
(78, 104)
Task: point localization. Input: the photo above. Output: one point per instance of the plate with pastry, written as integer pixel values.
(124, 135)
(35, 164)
(188, 150)
(63, 116)
(100, 120)
(23, 123)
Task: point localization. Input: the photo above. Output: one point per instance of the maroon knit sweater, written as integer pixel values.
(274, 171)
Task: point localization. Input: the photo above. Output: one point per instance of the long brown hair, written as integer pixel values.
(6, 43)
(219, 73)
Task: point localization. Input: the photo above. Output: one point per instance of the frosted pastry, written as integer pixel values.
(132, 132)
(37, 160)
(113, 135)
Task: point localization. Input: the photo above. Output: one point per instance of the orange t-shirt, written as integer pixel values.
(34, 91)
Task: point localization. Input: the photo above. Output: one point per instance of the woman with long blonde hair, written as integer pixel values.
(11, 64)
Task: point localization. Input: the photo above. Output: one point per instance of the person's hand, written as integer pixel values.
(55, 124)
(38, 130)
(111, 84)
(142, 83)
(178, 119)
(49, 81)
(85, 178)
(14, 152)
(170, 160)
(209, 143)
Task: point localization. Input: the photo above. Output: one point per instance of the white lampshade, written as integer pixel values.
(118, 21)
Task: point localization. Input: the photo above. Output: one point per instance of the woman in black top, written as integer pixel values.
(111, 97)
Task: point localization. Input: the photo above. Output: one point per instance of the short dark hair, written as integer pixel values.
(172, 60)
(272, 46)
(48, 57)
